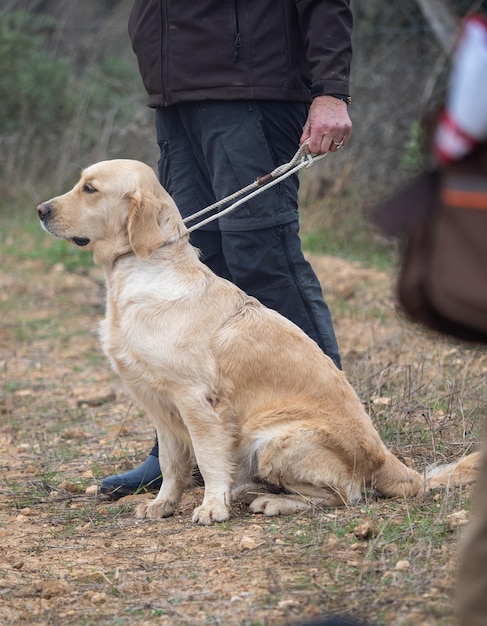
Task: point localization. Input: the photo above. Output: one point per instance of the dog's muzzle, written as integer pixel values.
(45, 212)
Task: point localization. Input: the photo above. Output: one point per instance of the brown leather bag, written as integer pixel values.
(442, 217)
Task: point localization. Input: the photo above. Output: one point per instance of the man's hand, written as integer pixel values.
(328, 126)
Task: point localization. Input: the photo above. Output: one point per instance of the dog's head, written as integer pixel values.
(116, 207)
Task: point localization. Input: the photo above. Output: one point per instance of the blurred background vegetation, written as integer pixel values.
(70, 95)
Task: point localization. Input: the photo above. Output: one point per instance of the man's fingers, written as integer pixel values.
(336, 144)
(320, 142)
(328, 126)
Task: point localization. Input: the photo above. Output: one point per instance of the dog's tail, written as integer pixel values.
(396, 480)
(456, 474)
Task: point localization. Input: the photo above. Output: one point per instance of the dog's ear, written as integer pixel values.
(153, 221)
(143, 226)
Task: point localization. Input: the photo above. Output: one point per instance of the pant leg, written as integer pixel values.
(181, 169)
(269, 264)
(209, 243)
(183, 173)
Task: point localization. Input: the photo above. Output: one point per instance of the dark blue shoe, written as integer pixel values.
(145, 477)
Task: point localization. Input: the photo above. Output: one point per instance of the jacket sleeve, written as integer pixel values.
(326, 27)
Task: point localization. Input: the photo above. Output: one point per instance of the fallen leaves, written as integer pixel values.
(457, 519)
(65, 485)
(366, 530)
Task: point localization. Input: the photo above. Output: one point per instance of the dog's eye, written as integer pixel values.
(87, 188)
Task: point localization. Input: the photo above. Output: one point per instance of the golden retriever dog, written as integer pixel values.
(230, 385)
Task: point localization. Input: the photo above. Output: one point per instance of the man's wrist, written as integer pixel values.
(320, 90)
(340, 96)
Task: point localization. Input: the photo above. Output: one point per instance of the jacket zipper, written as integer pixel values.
(163, 55)
(238, 37)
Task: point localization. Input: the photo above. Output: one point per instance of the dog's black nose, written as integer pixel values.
(44, 210)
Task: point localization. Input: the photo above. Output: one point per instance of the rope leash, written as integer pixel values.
(301, 159)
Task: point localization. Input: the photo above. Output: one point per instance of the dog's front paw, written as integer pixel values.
(206, 514)
(154, 509)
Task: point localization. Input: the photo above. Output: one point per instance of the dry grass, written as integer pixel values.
(69, 557)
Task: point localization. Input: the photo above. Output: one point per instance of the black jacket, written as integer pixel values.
(288, 50)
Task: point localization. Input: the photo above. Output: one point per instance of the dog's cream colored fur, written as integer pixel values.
(229, 384)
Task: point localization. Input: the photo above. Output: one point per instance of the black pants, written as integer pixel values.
(209, 150)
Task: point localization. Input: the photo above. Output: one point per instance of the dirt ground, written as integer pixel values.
(70, 556)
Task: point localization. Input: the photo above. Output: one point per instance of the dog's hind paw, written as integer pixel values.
(154, 510)
(272, 505)
(206, 514)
